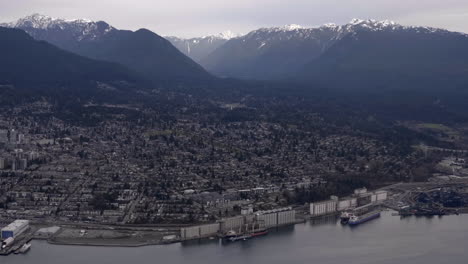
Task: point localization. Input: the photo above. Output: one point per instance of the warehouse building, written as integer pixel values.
(276, 217)
(15, 229)
(360, 198)
(201, 231)
(381, 195)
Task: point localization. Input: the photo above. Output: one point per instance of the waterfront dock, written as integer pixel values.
(16, 245)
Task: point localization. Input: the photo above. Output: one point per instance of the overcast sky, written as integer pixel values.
(189, 18)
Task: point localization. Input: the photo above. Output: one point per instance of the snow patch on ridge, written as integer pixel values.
(293, 27)
(227, 35)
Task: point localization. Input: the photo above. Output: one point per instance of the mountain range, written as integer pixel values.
(143, 51)
(392, 57)
(39, 68)
(362, 58)
(286, 52)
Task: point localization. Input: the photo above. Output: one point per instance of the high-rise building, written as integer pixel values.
(3, 136)
(2, 163)
(33, 156)
(19, 164)
(23, 164)
(20, 139)
(19, 153)
(13, 136)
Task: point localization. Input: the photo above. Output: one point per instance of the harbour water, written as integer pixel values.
(387, 239)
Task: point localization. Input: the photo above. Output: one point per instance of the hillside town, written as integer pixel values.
(139, 168)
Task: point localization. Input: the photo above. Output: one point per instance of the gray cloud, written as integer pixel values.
(203, 17)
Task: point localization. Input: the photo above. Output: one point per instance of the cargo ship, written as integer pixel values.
(359, 219)
(260, 232)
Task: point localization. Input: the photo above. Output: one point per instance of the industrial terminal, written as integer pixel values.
(248, 225)
(360, 207)
(243, 227)
(15, 238)
(430, 198)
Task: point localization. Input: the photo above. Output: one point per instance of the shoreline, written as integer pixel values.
(116, 245)
(131, 243)
(298, 242)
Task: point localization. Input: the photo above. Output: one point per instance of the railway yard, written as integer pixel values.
(440, 197)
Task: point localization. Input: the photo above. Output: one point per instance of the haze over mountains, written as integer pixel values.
(283, 52)
(361, 56)
(103, 127)
(381, 57)
(39, 68)
(199, 48)
(288, 52)
(142, 51)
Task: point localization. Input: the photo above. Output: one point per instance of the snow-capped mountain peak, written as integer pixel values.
(198, 48)
(39, 21)
(381, 25)
(322, 37)
(296, 31)
(80, 29)
(227, 35)
(357, 21)
(35, 21)
(388, 22)
(354, 24)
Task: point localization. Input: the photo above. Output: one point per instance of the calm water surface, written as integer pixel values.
(388, 239)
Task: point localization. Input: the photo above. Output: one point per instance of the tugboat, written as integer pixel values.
(345, 216)
(230, 234)
(239, 238)
(25, 248)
